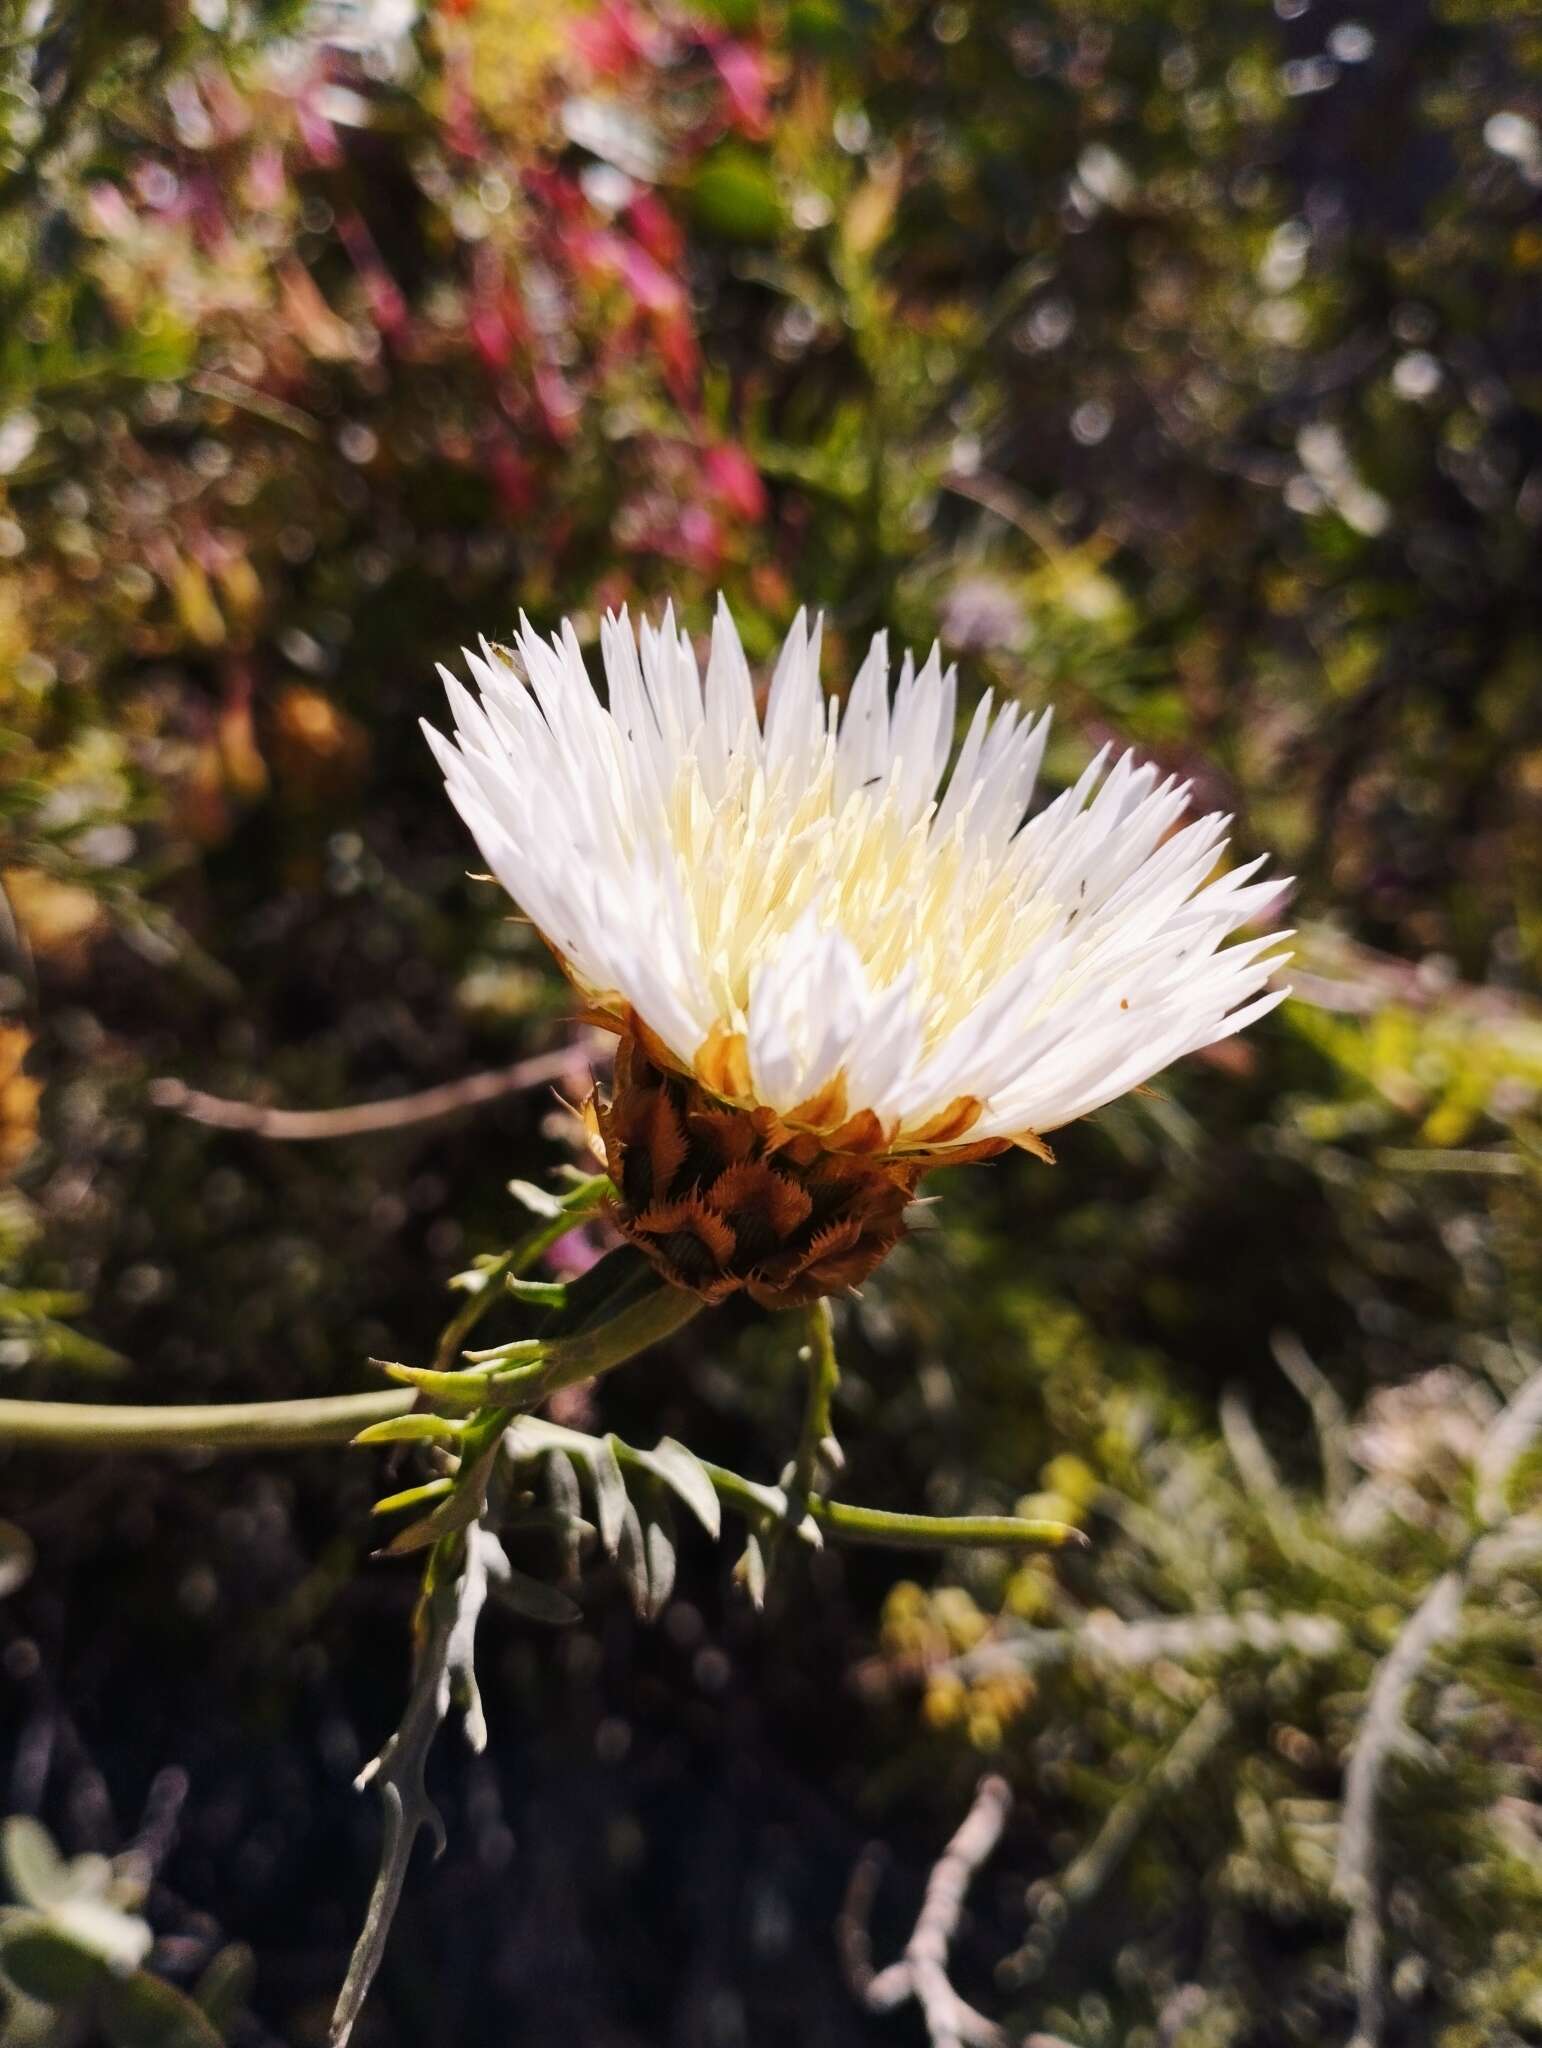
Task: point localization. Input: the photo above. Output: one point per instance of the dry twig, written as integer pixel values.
(922, 1972)
(363, 1119)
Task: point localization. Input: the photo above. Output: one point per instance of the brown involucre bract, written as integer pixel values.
(721, 1198)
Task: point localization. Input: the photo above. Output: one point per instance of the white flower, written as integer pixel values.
(808, 914)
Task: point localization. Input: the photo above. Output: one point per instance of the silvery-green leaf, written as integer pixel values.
(536, 1200)
(567, 1505)
(632, 1557)
(483, 1561)
(683, 1471)
(562, 1488)
(537, 1601)
(659, 1544)
(610, 1501)
(751, 1570)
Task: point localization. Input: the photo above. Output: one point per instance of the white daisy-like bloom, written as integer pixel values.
(810, 915)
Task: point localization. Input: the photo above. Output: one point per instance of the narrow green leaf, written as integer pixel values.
(468, 1388)
(539, 1293)
(519, 1351)
(407, 1429)
(414, 1496)
(458, 1508)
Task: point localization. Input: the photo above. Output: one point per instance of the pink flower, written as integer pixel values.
(111, 213)
(746, 81)
(496, 324)
(387, 302)
(572, 1255)
(735, 481)
(615, 38)
(656, 228)
(317, 133)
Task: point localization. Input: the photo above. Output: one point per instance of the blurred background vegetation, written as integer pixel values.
(1177, 363)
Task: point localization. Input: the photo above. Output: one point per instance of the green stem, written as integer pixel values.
(333, 1418)
(816, 1438)
(225, 1426)
(289, 1425)
(816, 1433)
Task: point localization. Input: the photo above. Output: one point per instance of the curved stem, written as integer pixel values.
(224, 1426)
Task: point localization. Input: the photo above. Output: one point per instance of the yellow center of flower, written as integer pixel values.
(753, 863)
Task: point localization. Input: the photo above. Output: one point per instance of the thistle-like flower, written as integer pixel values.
(831, 967)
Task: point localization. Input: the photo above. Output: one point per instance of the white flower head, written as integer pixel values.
(806, 912)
